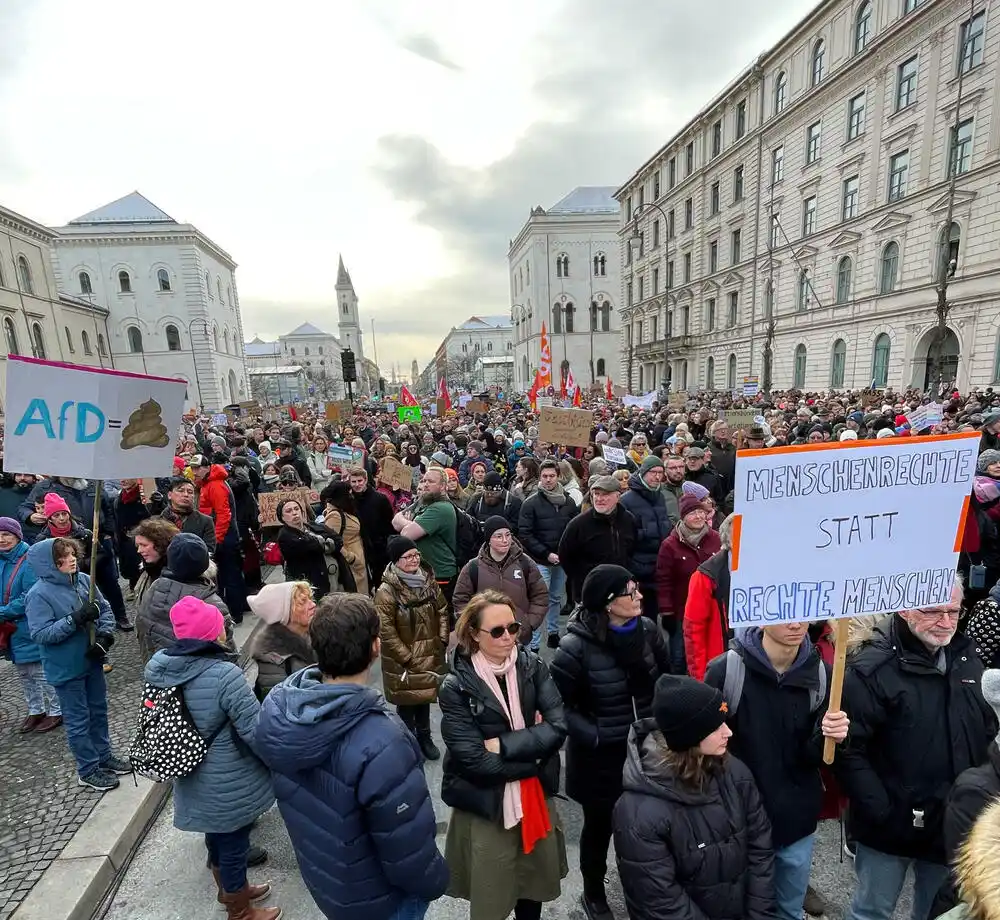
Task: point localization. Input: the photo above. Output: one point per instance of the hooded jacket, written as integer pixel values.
(48, 605)
(652, 526)
(15, 580)
(230, 788)
(216, 500)
(691, 854)
(353, 796)
(706, 618)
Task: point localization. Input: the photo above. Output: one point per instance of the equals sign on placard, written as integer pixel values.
(114, 423)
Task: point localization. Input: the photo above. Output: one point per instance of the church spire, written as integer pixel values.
(343, 275)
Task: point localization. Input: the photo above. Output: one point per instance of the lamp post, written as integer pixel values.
(194, 358)
(635, 243)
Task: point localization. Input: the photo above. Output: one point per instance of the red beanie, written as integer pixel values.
(53, 503)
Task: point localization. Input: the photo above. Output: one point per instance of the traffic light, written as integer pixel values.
(381, 384)
(349, 367)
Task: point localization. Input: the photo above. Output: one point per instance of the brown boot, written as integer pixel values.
(257, 892)
(238, 907)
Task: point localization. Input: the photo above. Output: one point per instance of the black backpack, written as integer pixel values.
(468, 536)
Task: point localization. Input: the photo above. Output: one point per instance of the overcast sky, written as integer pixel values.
(412, 137)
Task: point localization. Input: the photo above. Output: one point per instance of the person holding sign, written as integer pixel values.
(918, 719)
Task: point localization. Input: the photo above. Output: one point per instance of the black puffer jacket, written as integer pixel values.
(652, 524)
(688, 854)
(606, 680)
(541, 523)
(474, 777)
(595, 539)
(913, 731)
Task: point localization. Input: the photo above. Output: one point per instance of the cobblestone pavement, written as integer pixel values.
(42, 807)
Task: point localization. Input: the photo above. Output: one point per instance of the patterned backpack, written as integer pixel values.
(167, 745)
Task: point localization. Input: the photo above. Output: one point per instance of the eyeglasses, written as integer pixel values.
(934, 614)
(497, 631)
(412, 556)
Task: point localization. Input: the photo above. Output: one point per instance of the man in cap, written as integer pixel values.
(699, 472)
(495, 499)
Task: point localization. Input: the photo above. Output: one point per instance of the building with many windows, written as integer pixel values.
(564, 271)
(456, 357)
(807, 215)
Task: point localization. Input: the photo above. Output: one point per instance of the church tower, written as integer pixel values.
(349, 322)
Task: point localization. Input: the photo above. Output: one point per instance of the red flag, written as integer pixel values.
(443, 393)
(577, 399)
(533, 392)
(545, 361)
(564, 390)
(406, 397)
(609, 390)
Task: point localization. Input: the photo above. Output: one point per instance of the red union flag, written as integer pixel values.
(545, 361)
(406, 397)
(443, 393)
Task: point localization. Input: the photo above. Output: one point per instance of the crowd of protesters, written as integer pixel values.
(543, 597)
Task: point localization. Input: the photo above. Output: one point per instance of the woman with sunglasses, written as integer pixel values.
(606, 667)
(502, 724)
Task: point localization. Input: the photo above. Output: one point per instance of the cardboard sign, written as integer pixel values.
(395, 474)
(408, 414)
(268, 503)
(249, 406)
(476, 405)
(89, 422)
(340, 411)
(543, 401)
(739, 418)
(853, 525)
(566, 426)
(441, 406)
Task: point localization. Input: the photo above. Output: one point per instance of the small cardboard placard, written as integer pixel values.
(476, 405)
(340, 411)
(395, 474)
(615, 455)
(566, 426)
(740, 418)
(342, 457)
(268, 503)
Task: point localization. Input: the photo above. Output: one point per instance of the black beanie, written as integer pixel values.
(492, 525)
(603, 584)
(397, 546)
(687, 711)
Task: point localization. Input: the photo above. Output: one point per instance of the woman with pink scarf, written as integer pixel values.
(503, 725)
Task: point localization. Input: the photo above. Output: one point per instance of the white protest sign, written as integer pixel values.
(66, 420)
(854, 528)
(542, 401)
(614, 455)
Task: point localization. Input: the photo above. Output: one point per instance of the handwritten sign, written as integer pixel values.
(740, 418)
(268, 503)
(340, 411)
(395, 474)
(408, 414)
(615, 455)
(853, 525)
(477, 405)
(566, 426)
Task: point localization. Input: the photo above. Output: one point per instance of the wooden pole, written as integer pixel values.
(841, 633)
(98, 491)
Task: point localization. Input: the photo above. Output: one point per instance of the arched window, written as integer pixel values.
(124, 282)
(799, 373)
(489, 346)
(225, 341)
(24, 273)
(570, 313)
(889, 268)
(173, 338)
(731, 373)
(710, 374)
(163, 279)
(562, 265)
(780, 91)
(838, 363)
(557, 318)
(208, 286)
(134, 340)
(844, 271)
(600, 367)
(880, 361)
(951, 238)
(215, 339)
(863, 27)
(85, 286)
(102, 349)
(10, 335)
(819, 53)
(69, 339)
(38, 340)
(85, 338)
(804, 289)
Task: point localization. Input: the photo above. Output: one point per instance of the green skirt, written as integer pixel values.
(490, 869)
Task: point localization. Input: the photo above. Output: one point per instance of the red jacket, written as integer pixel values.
(676, 562)
(706, 627)
(214, 500)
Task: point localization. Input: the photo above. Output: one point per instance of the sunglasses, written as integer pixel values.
(497, 631)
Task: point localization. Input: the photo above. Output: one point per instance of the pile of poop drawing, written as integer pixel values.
(145, 428)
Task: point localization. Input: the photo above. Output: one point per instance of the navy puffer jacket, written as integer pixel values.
(353, 795)
(652, 524)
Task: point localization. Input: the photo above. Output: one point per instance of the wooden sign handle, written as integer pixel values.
(841, 632)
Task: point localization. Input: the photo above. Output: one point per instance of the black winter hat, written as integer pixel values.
(492, 525)
(493, 482)
(603, 584)
(398, 546)
(687, 711)
(187, 557)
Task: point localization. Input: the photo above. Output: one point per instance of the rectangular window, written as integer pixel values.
(906, 83)
(899, 166)
(687, 267)
(670, 274)
(775, 231)
(671, 172)
(970, 42)
(642, 243)
(910, 5)
(713, 256)
(777, 164)
(656, 281)
(628, 293)
(642, 195)
(738, 184)
(812, 142)
(809, 216)
(961, 148)
(653, 323)
(710, 314)
(850, 200)
(689, 159)
(856, 116)
(734, 308)
(714, 198)
(642, 288)
(656, 233)
(628, 209)
(656, 185)
(670, 224)
(628, 257)
(688, 214)
(741, 119)
(717, 138)
(736, 247)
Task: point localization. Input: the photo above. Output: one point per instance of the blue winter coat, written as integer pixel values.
(352, 792)
(652, 525)
(22, 649)
(48, 605)
(230, 788)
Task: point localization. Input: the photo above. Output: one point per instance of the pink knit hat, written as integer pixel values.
(53, 503)
(192, 618)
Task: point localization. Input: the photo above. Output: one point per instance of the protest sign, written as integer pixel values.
(394, 474)
(615, 455)
(853, 525)
(751, 386)
(739, 418)
(66, 420)
(342, 457)
(408, 414)
(477, 405)
(441, 406)
(267, 503)
(566, 426)
(220, 418)
(542, 401)
(340, 411)
(641, 402)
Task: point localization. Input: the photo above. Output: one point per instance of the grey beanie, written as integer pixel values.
(986, 458)
(598, 466)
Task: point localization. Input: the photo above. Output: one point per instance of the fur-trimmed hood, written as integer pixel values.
(275, 643)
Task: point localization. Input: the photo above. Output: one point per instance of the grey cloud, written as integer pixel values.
(425, 46)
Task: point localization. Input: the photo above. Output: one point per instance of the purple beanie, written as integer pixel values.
(9, 525)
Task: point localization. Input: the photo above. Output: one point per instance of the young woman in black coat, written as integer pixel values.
(307, 549)
(692, 838)
(502, 724)
(605, 667)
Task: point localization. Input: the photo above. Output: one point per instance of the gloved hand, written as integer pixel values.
(157, 503)
(86, 613)
(102, 645)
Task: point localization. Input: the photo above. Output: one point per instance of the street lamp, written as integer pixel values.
(194, 359)
(635, 245)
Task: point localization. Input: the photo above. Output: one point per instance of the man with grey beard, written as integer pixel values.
(918, 719)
